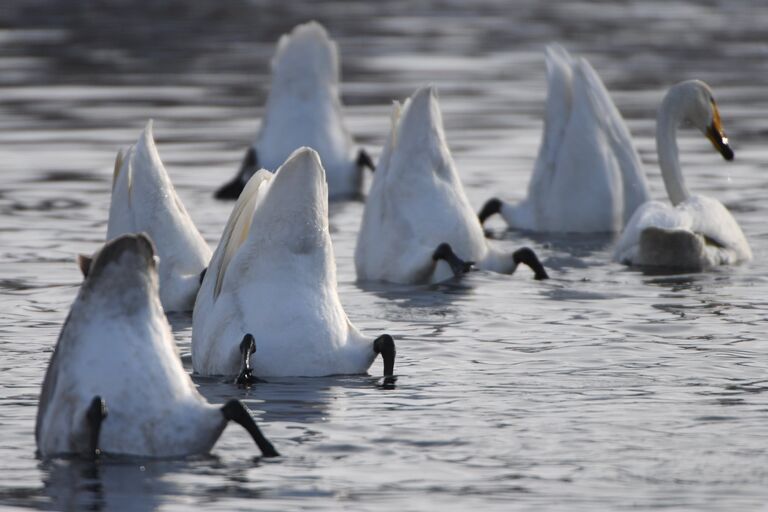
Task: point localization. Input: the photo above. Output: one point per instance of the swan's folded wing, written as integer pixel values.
(235, 233)
(713, 221)
(557, 111)
(635, 185)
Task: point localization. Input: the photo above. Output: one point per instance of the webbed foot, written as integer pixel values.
(234, 410)
(95, 415)
(458, 266)
(233, 188)
(491, 207)
(365, 160)
(528, 257)
(385, 345)
(247, 348)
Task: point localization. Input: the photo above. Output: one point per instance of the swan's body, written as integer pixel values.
(416, 203)
(694, 232)
(144, 200)
(116, 349)
(273, 275)
(588, 176)
(304, 109)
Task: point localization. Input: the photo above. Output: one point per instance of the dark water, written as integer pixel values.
(602, 389)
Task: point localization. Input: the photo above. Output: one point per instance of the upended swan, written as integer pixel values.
(144, 200)
(271, 287)
(304, 109)
(418, 226)
(695, 232)
(588, 176)
(115, 383)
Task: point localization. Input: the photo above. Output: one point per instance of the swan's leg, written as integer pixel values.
(491, 207)
(365, 160)
(95, 415)
(527, 256)
(234, 410)
(385, 345)
(247, 348)
(459, 266)
(248, 168)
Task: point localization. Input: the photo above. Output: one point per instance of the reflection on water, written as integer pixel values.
(604, 388)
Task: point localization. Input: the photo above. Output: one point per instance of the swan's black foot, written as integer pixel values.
(247, 348)
(459, 266)
(234, 410)
(385, 345)
(248, 168)
(491, 207)
(528, 257)
(365, 160)
(95, 415)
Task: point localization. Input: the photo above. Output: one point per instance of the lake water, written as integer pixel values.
(600, 389)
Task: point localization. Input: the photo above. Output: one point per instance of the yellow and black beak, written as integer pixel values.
(716, 135)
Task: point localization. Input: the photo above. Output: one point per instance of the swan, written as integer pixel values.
(144, 200)
(418, 226)
(271, 287)
(115, 383)
(695, 232)
(304, 109)
(587, 176)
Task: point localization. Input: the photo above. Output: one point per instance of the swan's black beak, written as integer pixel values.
(716, 135)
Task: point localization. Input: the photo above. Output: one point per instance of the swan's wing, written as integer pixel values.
(144, 200)
(235, 233)
(556, 115)
(713, 221)
(635, 185)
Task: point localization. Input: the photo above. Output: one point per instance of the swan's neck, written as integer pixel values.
(668, 120)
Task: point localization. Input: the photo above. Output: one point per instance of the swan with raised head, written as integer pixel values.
(694, 232)
(304, 109)
(418, 225)
(588, 176)
(271, 287)
(144, 201)
(115, 383)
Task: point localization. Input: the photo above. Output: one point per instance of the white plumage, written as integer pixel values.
(416, 203)
(273, 275)
(588, 176)
(144, 200)
(304, 109)
(116, 345)
(694, 232)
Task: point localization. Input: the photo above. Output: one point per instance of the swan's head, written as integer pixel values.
(697, 108)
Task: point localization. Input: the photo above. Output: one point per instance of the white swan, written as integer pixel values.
(144, 200)
(587, 176)
(304, 109)
(418, 226)
(272, 284)
(115, 383)
(694, 232)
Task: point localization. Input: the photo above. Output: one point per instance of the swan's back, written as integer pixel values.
(697, 234)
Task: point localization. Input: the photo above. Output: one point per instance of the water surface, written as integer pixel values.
(601, 389)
